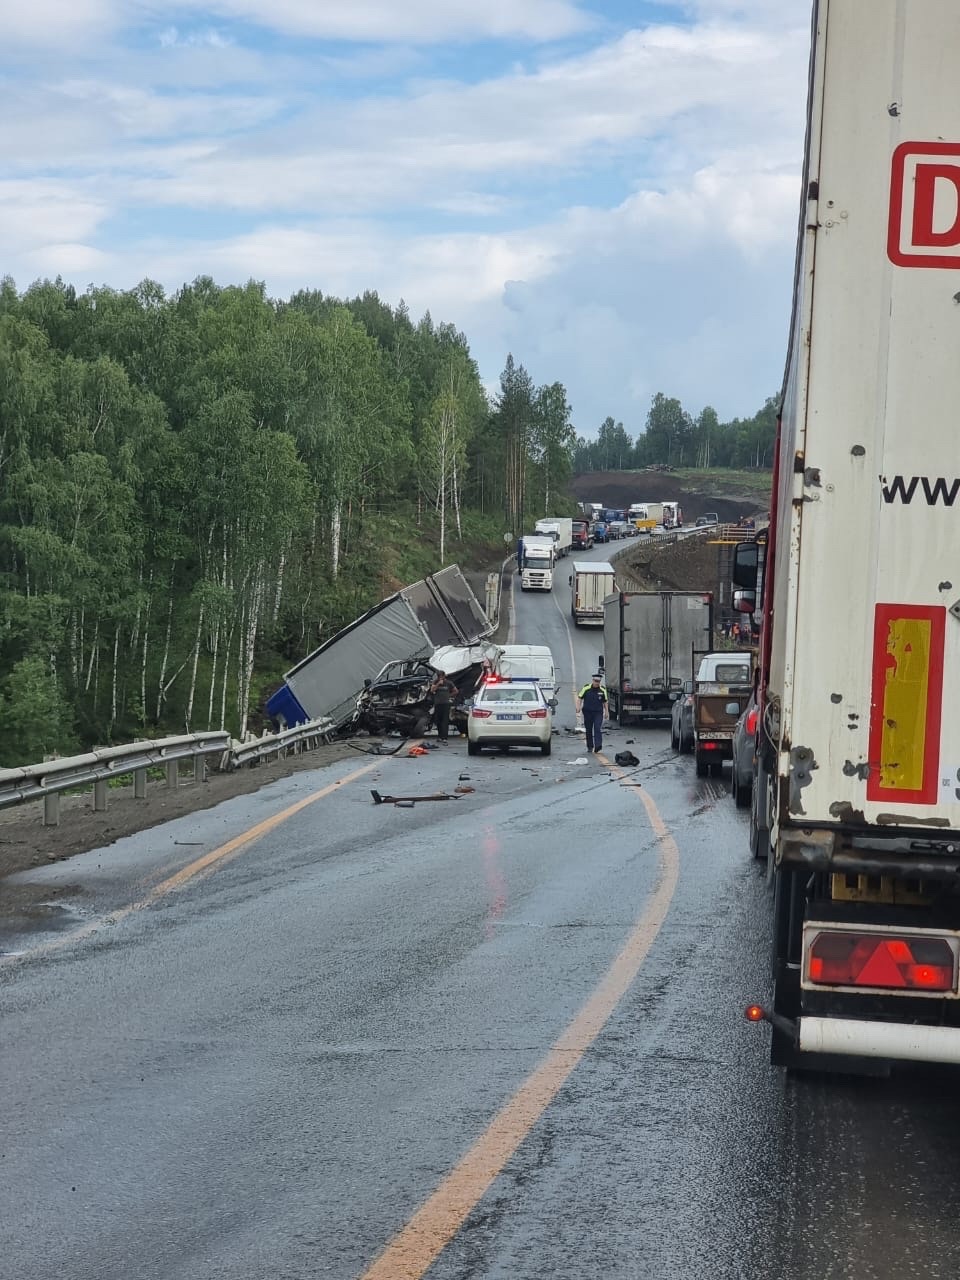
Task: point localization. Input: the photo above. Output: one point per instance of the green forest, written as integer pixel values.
(197, 489)
(673, 437)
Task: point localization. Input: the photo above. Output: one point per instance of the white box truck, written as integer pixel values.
(592, 581)
(857, 795)
(560, 528)
(649, 639)
(537, 558)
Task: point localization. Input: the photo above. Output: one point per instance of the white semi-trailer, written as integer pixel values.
(857, 795)
(649, 639)
(592, 581)
(560, 528)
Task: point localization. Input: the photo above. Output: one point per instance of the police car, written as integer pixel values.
(510, 713)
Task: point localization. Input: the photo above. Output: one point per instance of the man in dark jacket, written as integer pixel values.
(443, 691)
(592, 705)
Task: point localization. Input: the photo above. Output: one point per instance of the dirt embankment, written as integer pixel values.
(728, 497)
(695, 563)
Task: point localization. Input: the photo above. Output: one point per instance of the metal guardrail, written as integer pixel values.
(49, 780)
(301, 737)
(46, 781)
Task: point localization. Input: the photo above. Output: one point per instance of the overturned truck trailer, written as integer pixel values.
(411, 625)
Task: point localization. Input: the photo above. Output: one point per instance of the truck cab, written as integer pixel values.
(537, 558)
(582, 534)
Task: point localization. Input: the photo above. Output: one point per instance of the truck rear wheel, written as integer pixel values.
(759, 818)
(703, 765)
(788, 905)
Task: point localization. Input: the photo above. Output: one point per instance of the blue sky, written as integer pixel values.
(609, 190)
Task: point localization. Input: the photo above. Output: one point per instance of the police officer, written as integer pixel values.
(592, 705)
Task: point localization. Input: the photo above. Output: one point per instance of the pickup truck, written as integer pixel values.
(721, 690)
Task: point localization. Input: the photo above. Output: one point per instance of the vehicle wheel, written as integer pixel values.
(674, 739)
(716, 768)
(759, 828)
(741, 795)
(473, 748)
(703, 766)
(788, 903)
(686, 744)
(545, 747)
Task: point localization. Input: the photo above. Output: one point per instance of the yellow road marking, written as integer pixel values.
(416, 1247)
(215, 857)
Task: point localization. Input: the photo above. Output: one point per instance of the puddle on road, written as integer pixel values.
(40, 920)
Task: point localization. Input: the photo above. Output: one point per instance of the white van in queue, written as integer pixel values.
(530, 660)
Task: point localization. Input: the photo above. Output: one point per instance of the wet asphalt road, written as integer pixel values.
(266, 1070)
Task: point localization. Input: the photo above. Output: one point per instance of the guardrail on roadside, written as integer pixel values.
(49, 780)
(302, 737)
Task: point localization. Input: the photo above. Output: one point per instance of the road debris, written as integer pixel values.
(405, 800)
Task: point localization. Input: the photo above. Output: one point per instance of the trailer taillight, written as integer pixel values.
(751, 723)
(883, 961)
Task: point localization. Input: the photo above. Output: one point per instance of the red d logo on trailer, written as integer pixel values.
(924, 227)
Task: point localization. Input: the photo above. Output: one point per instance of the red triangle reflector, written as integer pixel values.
(881, 970)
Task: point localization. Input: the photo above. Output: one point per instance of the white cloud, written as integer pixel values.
(82, 23)
(413, 21)
(37, 214)
(660, 101)
(172, 37)
(70, 261)
(53, 23)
